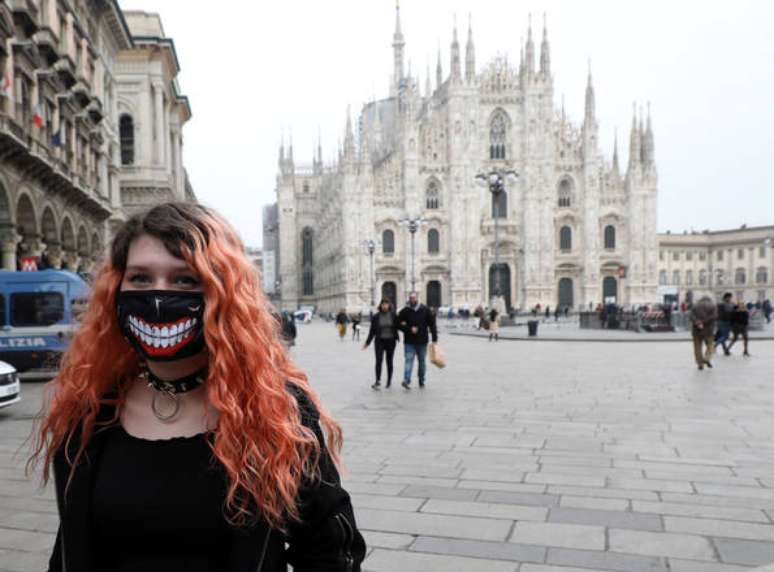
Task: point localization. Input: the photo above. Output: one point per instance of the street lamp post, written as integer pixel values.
(495, 180)
(370, 245)
(413, 225)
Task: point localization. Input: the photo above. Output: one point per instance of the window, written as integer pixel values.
(36, 309)
(675, 256)
(307, 259)
(702, 277)
(498, 134)
(720, 255)
(740, 277)
(433, 196)
(702, 256)
(126, 131)
(740, 254)
(610, 237)
(676, 277)
(306, 186)
(433, 241)
(500, 204)
(762, 252)
(689, 255)
(565, 239)
(689, 278)
(720, 277)
(565, 193)
(2, 310)
(761, 276)
(662, 278)
(661, 255)
(388, 242)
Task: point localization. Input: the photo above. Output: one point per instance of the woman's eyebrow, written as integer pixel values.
(173, 268)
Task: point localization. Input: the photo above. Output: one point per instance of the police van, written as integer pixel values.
(37, 315)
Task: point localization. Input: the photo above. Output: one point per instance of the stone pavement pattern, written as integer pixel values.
(539, 457)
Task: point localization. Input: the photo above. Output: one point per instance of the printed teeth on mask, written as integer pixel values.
(161, 337)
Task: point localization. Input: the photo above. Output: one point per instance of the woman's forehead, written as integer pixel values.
(149, 252)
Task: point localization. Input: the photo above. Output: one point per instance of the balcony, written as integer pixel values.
(66, 70)
(6, 25)
(25, 14)
(94, 109)
(81, 94)
(36, 158)
(47, 45)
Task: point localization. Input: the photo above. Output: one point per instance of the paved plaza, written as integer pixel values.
(522, 457)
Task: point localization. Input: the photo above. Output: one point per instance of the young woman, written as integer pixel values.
(180, 434)
(384, 332)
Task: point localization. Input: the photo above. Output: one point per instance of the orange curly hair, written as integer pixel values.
(260, 441)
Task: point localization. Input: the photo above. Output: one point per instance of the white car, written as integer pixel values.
(10, 388)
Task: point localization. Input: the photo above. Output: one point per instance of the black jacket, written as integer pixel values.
(373, 332)
(423, 319)
(326, 541)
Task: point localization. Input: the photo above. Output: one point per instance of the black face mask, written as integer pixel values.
(162, 325)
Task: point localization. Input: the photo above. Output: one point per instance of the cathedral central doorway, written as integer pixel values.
(610, 290)
(433, 294)
(500, 276)
(566, 293)
(390, 291)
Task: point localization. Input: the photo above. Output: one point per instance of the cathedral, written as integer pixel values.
(400, 209)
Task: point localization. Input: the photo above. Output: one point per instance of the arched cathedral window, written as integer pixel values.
(565, 193)
(433, 241)
(610, 237)
(126, 134)
(498, 135)
(565, 239)
(307, 261)
(388, 242)
(433, 195)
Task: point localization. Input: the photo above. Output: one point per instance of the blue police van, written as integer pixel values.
(37, 316)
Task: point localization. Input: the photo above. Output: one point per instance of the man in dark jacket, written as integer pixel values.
(414, 321)
(725, 315)
(703, 316)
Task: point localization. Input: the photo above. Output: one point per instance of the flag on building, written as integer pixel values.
(56, 138)
(29, 264)
(6, 89)
(37, 116)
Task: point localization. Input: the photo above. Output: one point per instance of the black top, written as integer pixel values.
(424, 320)
(379, 331)
(159, 505)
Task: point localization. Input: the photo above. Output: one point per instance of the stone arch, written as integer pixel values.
(6, 215)
(96, 246)
(433, 194)
(83, 241)
(26, 218)
(68, 234)
(48, 226)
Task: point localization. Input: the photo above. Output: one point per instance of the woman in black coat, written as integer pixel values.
(384, 332)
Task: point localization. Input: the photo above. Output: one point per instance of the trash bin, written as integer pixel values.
(532, 326)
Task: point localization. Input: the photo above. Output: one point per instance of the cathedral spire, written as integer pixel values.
(545, 52)
(349, 138)
(290, 149)
(282, 148)
(456, 72)
(428, 83)
(530, 50)
(616, 170)
(648, 141)
(470, 54)
(590, 115)
(634, 141)
(438, 69)
(398, 44)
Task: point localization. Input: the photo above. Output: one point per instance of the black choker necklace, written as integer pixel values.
(168, 390)
(175, 386)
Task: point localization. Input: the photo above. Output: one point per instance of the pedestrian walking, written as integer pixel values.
(288, 326)
(740, 320)
(356, 319)
(557, 310)
(415, 321)
(341, 324)
(703, 318)
(548, 312)
(384, 333)
(766, 307)
(202, 449)
(494, 325)
(725, 311)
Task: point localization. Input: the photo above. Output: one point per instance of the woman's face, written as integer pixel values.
(150, 266)
(385, 307)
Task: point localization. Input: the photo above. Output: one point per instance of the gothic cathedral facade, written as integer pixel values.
(572, 229)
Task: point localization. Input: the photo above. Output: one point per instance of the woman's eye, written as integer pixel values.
(139, 278)
(187, 280)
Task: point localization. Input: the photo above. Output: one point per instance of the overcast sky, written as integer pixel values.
(254, 69)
